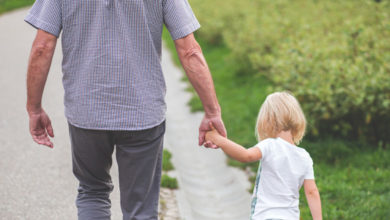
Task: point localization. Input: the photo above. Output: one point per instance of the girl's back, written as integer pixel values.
(283, 169)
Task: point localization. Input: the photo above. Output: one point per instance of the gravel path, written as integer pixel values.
(37, 182)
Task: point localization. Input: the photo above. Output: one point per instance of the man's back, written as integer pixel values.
(111, 58)
(114, 93)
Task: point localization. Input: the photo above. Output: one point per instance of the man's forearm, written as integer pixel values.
(198, 73)
(38, 68)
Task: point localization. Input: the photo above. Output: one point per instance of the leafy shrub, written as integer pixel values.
(216, 18)
(333, 55)
(352, 176)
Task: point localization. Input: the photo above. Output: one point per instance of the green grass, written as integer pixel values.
(353, 178)
(9, 5)
(166, 162)
(168, 182)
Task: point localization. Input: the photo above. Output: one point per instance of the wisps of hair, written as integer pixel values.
(280, 112)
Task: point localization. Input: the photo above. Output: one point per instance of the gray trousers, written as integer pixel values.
(139, 156)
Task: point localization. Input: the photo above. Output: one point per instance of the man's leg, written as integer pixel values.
(92, 160)
(139, 156)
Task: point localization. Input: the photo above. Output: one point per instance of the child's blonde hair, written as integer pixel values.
(280, 112)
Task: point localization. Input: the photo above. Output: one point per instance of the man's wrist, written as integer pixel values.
(216, 112)
(34, 109)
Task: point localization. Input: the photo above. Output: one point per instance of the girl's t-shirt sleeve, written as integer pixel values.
(309, 175)
(264, 148)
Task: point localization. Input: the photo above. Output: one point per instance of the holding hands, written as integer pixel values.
(208, 124)
(212, 136)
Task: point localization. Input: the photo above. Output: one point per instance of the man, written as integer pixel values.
(114, 92)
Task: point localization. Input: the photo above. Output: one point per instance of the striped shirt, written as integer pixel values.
(111, 65)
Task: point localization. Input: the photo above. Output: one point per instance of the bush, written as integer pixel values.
(333, 55)
(352, 176)
(217, 18)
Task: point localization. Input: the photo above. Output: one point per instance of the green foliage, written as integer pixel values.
(333, 55)
(168, 182)
(352, 176)
(218, 17)
(355, 186)
(8, 5)
(166, 161)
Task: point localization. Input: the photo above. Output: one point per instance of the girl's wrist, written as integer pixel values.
(217, 140)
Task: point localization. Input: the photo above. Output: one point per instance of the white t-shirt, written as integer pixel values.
(283, 169)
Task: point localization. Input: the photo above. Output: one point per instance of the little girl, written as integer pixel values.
(284, 167)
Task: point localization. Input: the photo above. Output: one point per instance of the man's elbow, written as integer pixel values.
(43, 48)
(194, 50)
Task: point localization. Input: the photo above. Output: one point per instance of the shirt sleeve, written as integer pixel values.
(309, 175)
(264, 148)
(46, 15)
(179, 18)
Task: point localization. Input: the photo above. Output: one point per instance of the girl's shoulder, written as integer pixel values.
(267, 143)
(305, 155)
(279, 145)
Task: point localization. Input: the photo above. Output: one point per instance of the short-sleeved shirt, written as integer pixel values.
(283, 169)
(111, 65)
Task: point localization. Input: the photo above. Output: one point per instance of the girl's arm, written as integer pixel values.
(233, 149)
(313, 199)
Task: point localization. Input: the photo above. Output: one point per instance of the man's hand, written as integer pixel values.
(40, 128)
(213, 136)
(38, 68)
(205, 126)
(198, 73)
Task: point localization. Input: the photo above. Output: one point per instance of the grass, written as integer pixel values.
(353, 178)
(166, 161)
(9, 5)
(166, 180)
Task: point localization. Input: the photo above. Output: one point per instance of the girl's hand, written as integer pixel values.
(213, 135)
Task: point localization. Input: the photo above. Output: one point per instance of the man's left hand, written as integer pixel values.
(217, 123)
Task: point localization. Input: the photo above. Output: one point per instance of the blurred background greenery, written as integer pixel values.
(334, 56)
(8, 5)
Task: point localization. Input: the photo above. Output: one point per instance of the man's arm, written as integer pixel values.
(38, 68)
(197, 70)
(313, 199)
